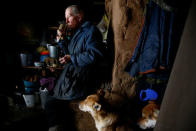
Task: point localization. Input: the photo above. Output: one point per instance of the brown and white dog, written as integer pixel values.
(149, 116)
(105, 119)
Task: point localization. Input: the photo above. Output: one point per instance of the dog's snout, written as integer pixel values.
(80, 105)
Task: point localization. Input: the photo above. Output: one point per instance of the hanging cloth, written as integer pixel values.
(152, 51)
(103, 26)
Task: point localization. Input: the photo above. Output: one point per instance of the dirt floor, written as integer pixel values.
(19, 117)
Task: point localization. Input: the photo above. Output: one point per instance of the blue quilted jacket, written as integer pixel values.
(79, 76)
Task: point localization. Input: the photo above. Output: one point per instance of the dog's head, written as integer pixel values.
(100, 110)
(92, 103)
(149, 116)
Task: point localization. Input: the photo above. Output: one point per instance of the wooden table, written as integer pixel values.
(45, 71)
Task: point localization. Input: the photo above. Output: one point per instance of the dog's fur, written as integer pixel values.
(149, 115)
(105, 119)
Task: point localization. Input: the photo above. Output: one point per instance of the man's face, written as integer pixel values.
(71, 20)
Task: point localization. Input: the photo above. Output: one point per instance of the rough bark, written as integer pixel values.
(126, 17)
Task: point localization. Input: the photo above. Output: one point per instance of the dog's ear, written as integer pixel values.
(101, 92)
(97, 106)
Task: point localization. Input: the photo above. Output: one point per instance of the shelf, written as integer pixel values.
(35, 67)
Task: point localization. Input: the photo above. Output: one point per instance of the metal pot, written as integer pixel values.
(53, 51)
(26, 59)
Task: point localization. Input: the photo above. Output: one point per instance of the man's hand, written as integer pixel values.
(65, 59)
(60, 35)
(59, 32)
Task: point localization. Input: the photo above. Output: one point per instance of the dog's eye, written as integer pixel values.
(96, 106)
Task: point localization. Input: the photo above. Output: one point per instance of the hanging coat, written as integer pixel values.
(79, 76)
(153, 49)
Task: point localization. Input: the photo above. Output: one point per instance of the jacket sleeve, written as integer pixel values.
(62, 46)
(92, 50)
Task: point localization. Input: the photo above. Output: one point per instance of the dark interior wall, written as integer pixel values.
(178, 110)
(44, 14)
(40, 15)
(50, 11)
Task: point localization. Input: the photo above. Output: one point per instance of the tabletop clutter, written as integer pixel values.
(48, 55)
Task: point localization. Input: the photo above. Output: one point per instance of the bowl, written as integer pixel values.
(29, 84)
(37, 64)
(29, 90)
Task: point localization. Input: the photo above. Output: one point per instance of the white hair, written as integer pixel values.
(76, 10)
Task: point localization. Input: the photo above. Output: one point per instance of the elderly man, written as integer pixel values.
(82, 54)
